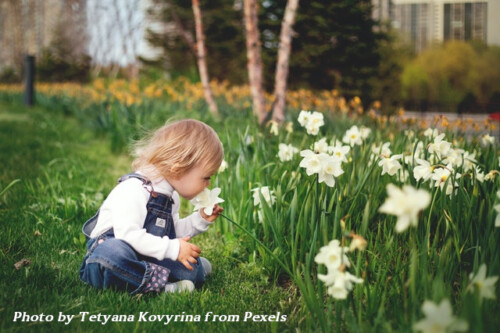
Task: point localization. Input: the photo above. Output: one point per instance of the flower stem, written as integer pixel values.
(260, 243)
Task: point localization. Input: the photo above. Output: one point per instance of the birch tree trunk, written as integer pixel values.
(282, 65)
(254, 59)
(201, 59)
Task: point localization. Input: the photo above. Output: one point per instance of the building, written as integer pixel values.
(424, 22)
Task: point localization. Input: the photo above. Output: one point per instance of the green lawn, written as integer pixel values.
(64, 171)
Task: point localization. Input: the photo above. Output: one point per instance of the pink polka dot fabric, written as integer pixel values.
(159, 278)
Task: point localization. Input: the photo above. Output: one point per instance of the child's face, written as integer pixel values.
(190, 184)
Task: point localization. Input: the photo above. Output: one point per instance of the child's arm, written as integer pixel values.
(125, 207)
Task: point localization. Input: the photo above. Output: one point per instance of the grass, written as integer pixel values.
(63, 173)
(278, 241)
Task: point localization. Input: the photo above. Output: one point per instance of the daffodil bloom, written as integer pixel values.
(286, 152)
(479, 174)
(353, 136)
(454, 157)
(304, 117)
(310, 161)
(439, 318)
(339, 283)
(330, 168)
(207, 199)
(390, 165)
(339, 151)
(327, 167)
(266, 193)
(405, 203)
(223, 166)
(423, 170)
(321, 146)
(332, 256)
(365, 132)
(273, 127)
(431, 133)
(312, 121)
(440, 176)
(486, 286)
(469, 160)
(487, 140)
(382, 150)
(439, 146)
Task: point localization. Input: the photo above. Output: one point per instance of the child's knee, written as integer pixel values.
(115, 251)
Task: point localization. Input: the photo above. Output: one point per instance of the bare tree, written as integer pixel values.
(202, 61)
(254, 59)
(283, 61)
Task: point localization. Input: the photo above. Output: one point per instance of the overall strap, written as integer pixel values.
(146, 183)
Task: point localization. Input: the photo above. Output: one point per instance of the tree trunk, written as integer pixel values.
(283, 61)
(188, 37)
(254, 59)
(202, 61)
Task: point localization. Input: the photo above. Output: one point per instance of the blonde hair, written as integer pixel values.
(176, 148)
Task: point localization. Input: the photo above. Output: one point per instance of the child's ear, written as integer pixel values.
(175, 170)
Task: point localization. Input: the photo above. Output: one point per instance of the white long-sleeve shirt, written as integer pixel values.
(125, 211)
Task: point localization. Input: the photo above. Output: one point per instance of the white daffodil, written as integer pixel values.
(340, 283)
(304, 117)
(332, 256)
(390, 165)
(289, 127)
(439, 146)
(321, 146)
(310, 161)
(365, 132)
(485, 286)
(223, 166)
(469, 160)
(403, 176)
(479, 174)
(339, 151)
(439, 318)
(315, 122)
(286, 152)
(274, 127)
(207, 199)
(353, 136)
(454, 157)
(409, 134)
(382, 150)
(423, 170)
(487, 140)
(249, 140)
(330, 168)
(441, 175)
(431, 133)
(312, 121)
(266, 193)
(405, 203)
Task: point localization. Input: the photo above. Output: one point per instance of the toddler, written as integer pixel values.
(137, 242)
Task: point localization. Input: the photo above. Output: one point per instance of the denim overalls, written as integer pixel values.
(111, 262)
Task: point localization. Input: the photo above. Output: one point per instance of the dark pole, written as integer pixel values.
(29, 79)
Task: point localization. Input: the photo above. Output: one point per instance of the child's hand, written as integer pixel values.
(188, 252)
(215, 214)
